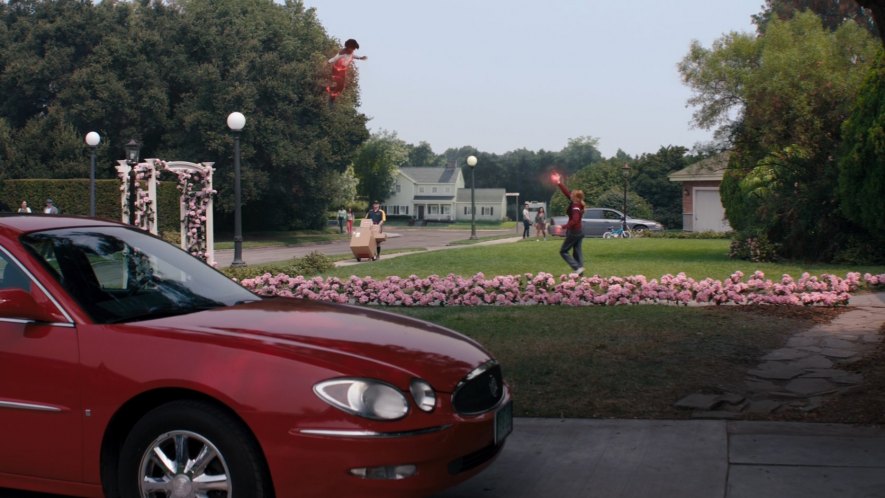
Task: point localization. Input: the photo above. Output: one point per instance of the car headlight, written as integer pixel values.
(367, 398)
(424, 395)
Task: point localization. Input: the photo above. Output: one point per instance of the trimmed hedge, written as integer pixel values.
(72, 197)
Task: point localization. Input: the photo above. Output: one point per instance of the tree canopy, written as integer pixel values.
(779, 101)
(168, 74)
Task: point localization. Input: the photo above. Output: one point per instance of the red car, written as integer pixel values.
(129, 368)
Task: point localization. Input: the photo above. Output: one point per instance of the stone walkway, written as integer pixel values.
(808, 369)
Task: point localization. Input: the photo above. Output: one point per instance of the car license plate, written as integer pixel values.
(503, 422)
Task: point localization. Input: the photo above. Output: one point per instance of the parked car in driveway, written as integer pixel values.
(129, 368)
(597, 220)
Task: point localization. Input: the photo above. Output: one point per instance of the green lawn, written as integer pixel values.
(621, 361)
(650, 257)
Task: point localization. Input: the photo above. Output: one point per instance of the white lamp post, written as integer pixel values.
(471, 161)
(92, 140)
(236, 121)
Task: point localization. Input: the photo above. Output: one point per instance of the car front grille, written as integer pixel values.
(480, 391)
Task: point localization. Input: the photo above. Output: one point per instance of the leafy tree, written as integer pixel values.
(862, 159)
(833, 13)
(650, 181)
(790, 90)
(422, 156)
(579, 153)
(342, 188)
(168, 74)
(376, 164)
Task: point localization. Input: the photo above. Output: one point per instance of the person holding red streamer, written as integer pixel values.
(574, 235)
(340, 63)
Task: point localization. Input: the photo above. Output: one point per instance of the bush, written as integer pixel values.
(753, 246)
(314, 263)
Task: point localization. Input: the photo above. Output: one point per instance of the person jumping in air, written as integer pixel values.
(340, 63)
(574, 235)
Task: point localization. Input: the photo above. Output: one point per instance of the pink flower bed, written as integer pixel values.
(569, 290)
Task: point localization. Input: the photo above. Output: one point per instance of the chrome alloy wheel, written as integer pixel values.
(183, 464)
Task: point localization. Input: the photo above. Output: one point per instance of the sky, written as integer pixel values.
(502, 75)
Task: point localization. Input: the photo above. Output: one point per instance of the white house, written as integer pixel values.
(439, 194)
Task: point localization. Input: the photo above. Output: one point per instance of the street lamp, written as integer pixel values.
(471, 161)
(236, 121)
(132, 150)
(92, 140)
(626, 172)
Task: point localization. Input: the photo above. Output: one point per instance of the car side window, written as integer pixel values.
(611, 215)
(12, 276)
(593, 214)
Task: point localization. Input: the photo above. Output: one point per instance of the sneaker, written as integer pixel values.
(580, 271)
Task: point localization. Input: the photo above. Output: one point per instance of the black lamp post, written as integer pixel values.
(92, 140)
(471, 161)
(626, 172)
(132, 150)
(236, 121)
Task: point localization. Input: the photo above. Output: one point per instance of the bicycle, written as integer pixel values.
(617, 233)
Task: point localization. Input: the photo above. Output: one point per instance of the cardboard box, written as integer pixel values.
(362, 242)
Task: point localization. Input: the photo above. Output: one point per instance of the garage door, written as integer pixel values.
(709, 215)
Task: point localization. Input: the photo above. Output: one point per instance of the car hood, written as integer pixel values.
(373, 341)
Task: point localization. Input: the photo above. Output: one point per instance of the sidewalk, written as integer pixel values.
(575, 458)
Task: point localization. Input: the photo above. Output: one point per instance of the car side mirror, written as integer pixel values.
(18, 304)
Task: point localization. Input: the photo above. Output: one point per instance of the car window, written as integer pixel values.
(12, 276)
(117, 274)
(593, 214)
(611, 215)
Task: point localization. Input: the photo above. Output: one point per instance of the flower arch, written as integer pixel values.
(195, 206)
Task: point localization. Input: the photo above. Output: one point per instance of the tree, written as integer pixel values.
(790, 91)
(833, 13)
(168, 74)
(862, 159)
(422, 156)
(376, 164)
(877, 8)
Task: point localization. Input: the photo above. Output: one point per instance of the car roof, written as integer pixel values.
(24, 223)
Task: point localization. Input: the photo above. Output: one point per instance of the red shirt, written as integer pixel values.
(575, 212)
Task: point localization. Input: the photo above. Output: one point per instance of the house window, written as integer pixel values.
(420, 190)
(433, 190)
(433, 209)
(488, 211)
(398, 188)
(466, 209)
(446, 209)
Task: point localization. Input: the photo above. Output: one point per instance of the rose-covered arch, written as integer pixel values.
(195, 207)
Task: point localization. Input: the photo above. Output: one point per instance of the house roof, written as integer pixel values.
(711, 168)
(431, 175)
(483, 195)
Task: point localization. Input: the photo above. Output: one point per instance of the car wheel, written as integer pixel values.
(191, 449)
(639, 228)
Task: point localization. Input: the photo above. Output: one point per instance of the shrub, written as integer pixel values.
(753, 246)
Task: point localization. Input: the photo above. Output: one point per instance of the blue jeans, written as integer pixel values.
(525, 230)
(573, 242)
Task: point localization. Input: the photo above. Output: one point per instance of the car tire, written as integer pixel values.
(217, 448)
(639, 228)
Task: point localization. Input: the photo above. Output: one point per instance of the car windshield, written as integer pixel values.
(118, 274)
